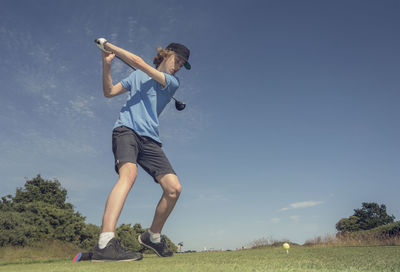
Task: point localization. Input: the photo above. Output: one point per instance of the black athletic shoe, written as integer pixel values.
(114, 252)
(82, 256)
(159, 248)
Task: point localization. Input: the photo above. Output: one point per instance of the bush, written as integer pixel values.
(17, 229)
(370, 216)
(128, 237)
(89, 236)
(39, 212)
(383, 235)
(391, 230)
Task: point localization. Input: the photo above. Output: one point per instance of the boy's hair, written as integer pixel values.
(162, 53)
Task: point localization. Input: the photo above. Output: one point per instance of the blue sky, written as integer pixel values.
(292, 117)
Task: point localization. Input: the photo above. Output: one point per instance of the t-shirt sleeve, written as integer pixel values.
(127, 82)
(172, 83)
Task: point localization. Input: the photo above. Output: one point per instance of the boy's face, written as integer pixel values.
(172, 64)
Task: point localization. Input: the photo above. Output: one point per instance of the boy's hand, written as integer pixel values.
(100, 42)
(107, 57)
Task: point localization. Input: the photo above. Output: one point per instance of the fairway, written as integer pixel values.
(268, 259)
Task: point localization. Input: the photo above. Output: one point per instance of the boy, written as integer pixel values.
(136, 141)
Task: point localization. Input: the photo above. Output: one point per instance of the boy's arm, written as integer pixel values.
(137, 62)
(109, 89)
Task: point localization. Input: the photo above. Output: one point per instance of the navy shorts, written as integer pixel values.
(128, 146)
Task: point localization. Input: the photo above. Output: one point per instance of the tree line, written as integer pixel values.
(369, 225)
(39, 211)
(370, 216)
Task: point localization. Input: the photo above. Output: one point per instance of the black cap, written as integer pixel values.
(182, 51)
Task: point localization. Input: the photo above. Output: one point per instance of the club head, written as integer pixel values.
(179, 105)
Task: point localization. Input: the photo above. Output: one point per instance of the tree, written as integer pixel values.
(18, 229)
(40, 190)
(348, 224)
(370, 216)
(39, 211)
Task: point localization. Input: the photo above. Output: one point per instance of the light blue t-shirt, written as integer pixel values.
(146, 100)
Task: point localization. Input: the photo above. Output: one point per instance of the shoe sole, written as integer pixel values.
(82, 256)
(125, 260)
(149, 247)
(77, 257)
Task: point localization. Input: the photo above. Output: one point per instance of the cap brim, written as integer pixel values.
(187, 65)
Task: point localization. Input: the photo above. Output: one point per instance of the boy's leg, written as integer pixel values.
(172, 189)
(109, 249)
(154, 161)
(117, 197)
(151, 238)
(125, 144)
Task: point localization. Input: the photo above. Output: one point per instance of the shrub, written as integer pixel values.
(370, 216)
(39, 212)
(128, 237)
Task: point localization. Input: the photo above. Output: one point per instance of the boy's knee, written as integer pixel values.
(174, 191)
(171, 186)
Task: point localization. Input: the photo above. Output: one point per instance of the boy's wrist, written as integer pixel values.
(106, 64)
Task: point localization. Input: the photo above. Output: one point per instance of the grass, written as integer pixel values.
(47, 251)
(362, 238)
(328, 258)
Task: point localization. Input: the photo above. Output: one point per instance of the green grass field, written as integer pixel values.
(374, 259)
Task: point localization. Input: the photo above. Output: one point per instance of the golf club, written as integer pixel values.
(179, 105)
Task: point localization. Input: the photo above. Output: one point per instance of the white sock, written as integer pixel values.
(155, 237)
(104, 238)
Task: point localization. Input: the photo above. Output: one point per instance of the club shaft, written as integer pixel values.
(125, 62)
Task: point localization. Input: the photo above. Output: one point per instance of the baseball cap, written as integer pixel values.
(182, 51)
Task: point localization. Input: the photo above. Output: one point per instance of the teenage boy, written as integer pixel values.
(135, 140)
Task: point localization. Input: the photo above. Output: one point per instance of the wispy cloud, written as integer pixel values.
(81, 105)
(294, 218)
(55, 146)
(299, 205)
(275, 220)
